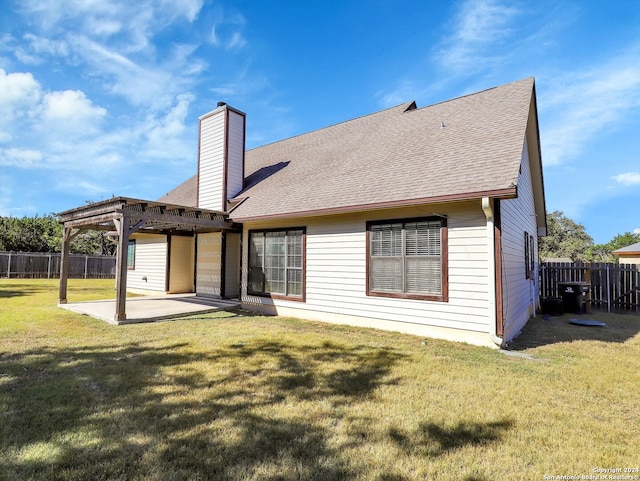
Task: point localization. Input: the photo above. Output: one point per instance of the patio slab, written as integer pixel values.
(149, 309)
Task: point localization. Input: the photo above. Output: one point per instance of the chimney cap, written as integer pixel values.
(222, 104)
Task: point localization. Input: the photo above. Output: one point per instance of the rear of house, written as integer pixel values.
(629, 254)
(420, 220)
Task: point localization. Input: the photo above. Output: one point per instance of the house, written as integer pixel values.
(419, 220)
(629, 254)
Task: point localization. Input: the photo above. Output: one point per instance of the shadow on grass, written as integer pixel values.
(164, 413)
(4, 293)
(544, 330)
(434, 440)
(10, 288)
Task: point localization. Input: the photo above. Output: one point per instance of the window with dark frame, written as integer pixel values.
(528, 255)
(532, 255)
(131, 254)
(276, 263)
(407, 258)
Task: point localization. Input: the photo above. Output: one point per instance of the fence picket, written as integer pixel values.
(614, 287)
(47, 265)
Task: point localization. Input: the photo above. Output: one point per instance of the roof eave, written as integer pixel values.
(507, 193)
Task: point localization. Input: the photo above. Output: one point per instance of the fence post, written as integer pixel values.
(86, 261)
(49, 267)
(9, 267)
(608, 290)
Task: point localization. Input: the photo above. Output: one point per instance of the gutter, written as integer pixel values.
(491, 258)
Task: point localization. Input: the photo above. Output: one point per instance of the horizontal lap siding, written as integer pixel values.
(518, 216)
(235, 168)
(211, 162)
(209, 264)
(150, 263)
(336, 271)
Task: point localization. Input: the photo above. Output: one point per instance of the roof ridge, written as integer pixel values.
(472, 94)
(405, 106)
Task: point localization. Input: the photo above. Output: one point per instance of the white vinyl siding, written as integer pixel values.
(150, 272)
(221, 161)
(211, 162)
(519, 291)
(235, 154)
(209, 265)
(336, 271)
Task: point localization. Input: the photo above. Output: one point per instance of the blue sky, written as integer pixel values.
(102, 98)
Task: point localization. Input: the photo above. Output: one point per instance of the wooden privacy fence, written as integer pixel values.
(41, 265)
(613, 287)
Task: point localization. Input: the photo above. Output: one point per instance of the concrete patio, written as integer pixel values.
(149, 309)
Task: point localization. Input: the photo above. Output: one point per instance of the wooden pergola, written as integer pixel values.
(128, 216)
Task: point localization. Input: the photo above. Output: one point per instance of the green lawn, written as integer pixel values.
(231, 396)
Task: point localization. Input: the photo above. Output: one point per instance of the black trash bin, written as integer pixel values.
(574, 296)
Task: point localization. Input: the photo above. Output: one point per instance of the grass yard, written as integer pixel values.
(229, 396)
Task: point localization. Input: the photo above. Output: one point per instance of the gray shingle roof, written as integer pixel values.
(456, 149)
(185, 194)
(632, 249)
(459, 149)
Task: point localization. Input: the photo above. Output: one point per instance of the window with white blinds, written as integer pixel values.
(276, 262)
(406, 258)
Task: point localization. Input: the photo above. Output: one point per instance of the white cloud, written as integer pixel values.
(164, 135)
(628, 178)
(71, 106)
(226, 31)
(188, 9)
(41, 46)
(43, 129)
(18, 91)
(116, 41)
(478, 25)
(236, 41)
(93, 189)
(97, 17)
(404, 91)
(138, 84)
(578, 105)
(24, 158)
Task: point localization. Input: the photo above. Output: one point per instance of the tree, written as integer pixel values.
(30, 234)
(94, 243)
(603, 252)
(44, 234)
(565, 238)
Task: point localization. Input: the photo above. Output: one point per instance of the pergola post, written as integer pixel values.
(124, 232)
(64, 265)
(121, 268)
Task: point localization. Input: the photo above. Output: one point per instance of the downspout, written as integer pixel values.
(491, 274)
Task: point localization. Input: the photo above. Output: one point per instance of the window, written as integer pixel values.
(131, 254)
(408, 258)
(532, 254)
(529, 255)
(276, 263)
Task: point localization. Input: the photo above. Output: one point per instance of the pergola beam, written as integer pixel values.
(130, 216)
